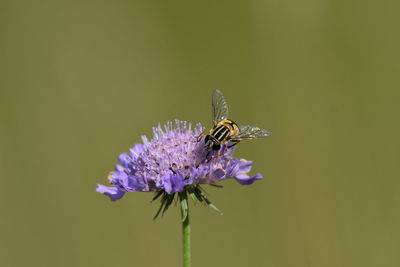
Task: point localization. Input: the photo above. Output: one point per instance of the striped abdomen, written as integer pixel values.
(220, 134)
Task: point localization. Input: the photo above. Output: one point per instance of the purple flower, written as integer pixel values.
(174, 161)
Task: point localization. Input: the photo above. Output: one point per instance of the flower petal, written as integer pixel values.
(119, 168)
(117, 177)
(232, 168)
(113, 192)
(245, 165)
(218, 174)
(244, 179)
(135, 183)
(136, 150)
(173, 182)
(125, 160)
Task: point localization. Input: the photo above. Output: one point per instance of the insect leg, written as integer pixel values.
(200, 136)
(208, 153)
(235, 142)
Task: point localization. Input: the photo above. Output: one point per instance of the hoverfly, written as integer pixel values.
(225, 130)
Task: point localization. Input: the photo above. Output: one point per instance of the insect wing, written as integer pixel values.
(251, 132)
(220, 107)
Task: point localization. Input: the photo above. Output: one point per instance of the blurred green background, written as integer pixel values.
(80, 81)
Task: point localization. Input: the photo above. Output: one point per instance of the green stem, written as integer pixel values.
(185, 228)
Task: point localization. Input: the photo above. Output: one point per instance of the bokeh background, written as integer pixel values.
(81, 81)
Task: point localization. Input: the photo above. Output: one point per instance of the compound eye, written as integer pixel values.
(216, 146)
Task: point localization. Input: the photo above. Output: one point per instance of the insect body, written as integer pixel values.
(220, 134)
(225, 130)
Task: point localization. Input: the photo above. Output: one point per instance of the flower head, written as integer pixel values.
(175, 160)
